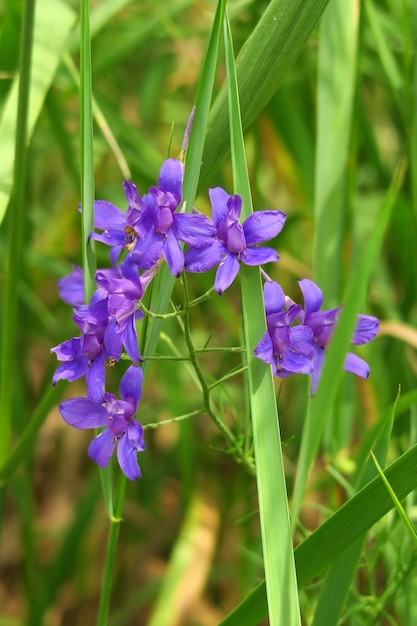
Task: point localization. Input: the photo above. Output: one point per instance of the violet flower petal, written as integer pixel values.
(218, 199)
(102, 447)
(367, 328)
(173, 254)
(194, 229)
(131, 385)
(262, 226)
(204, 259)
(274, 298)
(82, 413)
(128, 459)
(226, 273)
(356, 365)
(259, 256)
(170, 177)
(107, 216)
(313, 296)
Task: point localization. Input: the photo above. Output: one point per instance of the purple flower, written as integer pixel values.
(322, 324)
(235, 242)
(71, 287)
(287, 349)
(120, 229)
(101, 341)
(162, 228)
(121, 430)
(86, 355)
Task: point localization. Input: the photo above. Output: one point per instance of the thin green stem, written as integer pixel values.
(115, 521)
(87, 162)
(9, 353)
(224, 429)
(178, 418)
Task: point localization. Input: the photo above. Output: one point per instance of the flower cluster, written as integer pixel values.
(300, 348)
(154, 228)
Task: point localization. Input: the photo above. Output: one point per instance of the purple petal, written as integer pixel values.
(235, 238)
(110, 238)
(322, 324)
(102, 447)
(263, 226)
(367, 328)
(295, 363)
(313, 296)
(94, 378)
(274, 298)
(170, 177)
(71, 287)
(173, 254)
(132, 196)
(70, 370)
(82, 413)
(317, 367)
(226, 273)
(130, 340)
(135, 434)
(204, 259)
(131, 385)
(128, 458)
(218, 199)
(113, 341)
(265, 352)
(259, 256)
(107, 216)
(148, 250)
(356, 365)
(194, 229)
(68, 350)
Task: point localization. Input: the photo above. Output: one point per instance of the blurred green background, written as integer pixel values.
(146, 60)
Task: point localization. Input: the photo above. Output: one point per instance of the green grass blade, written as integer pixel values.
(267, 55)
(337, 534)
(87, 156)
(322, 403)
(56, 19)
(336, 76)
(341, 572)
(397, 503)
(15, 251)
(164, 282)
(279, 567)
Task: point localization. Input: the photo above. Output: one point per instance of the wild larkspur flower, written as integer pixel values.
(288, 349)
(120, 229)
(121, 430)
(71, 287)
(86, 355)
(235, 243)
(322, 324)
(162, 227)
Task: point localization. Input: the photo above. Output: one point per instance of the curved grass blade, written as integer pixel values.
(326, 543)
(274, 45)
(164, 282)
(321, 404)
(56, 19)
(278, 555)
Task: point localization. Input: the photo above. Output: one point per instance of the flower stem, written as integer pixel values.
(211, 410)
(115, 521)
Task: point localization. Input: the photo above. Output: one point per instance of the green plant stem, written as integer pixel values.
(87, 162)
(115, 522)
(9, 353)
(224, 429)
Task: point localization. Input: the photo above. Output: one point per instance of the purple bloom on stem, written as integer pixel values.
(71, 287)
(322, 324)
(162, 228)
(121, 430)
(235, 242)
(287, 349)
(120, 229)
